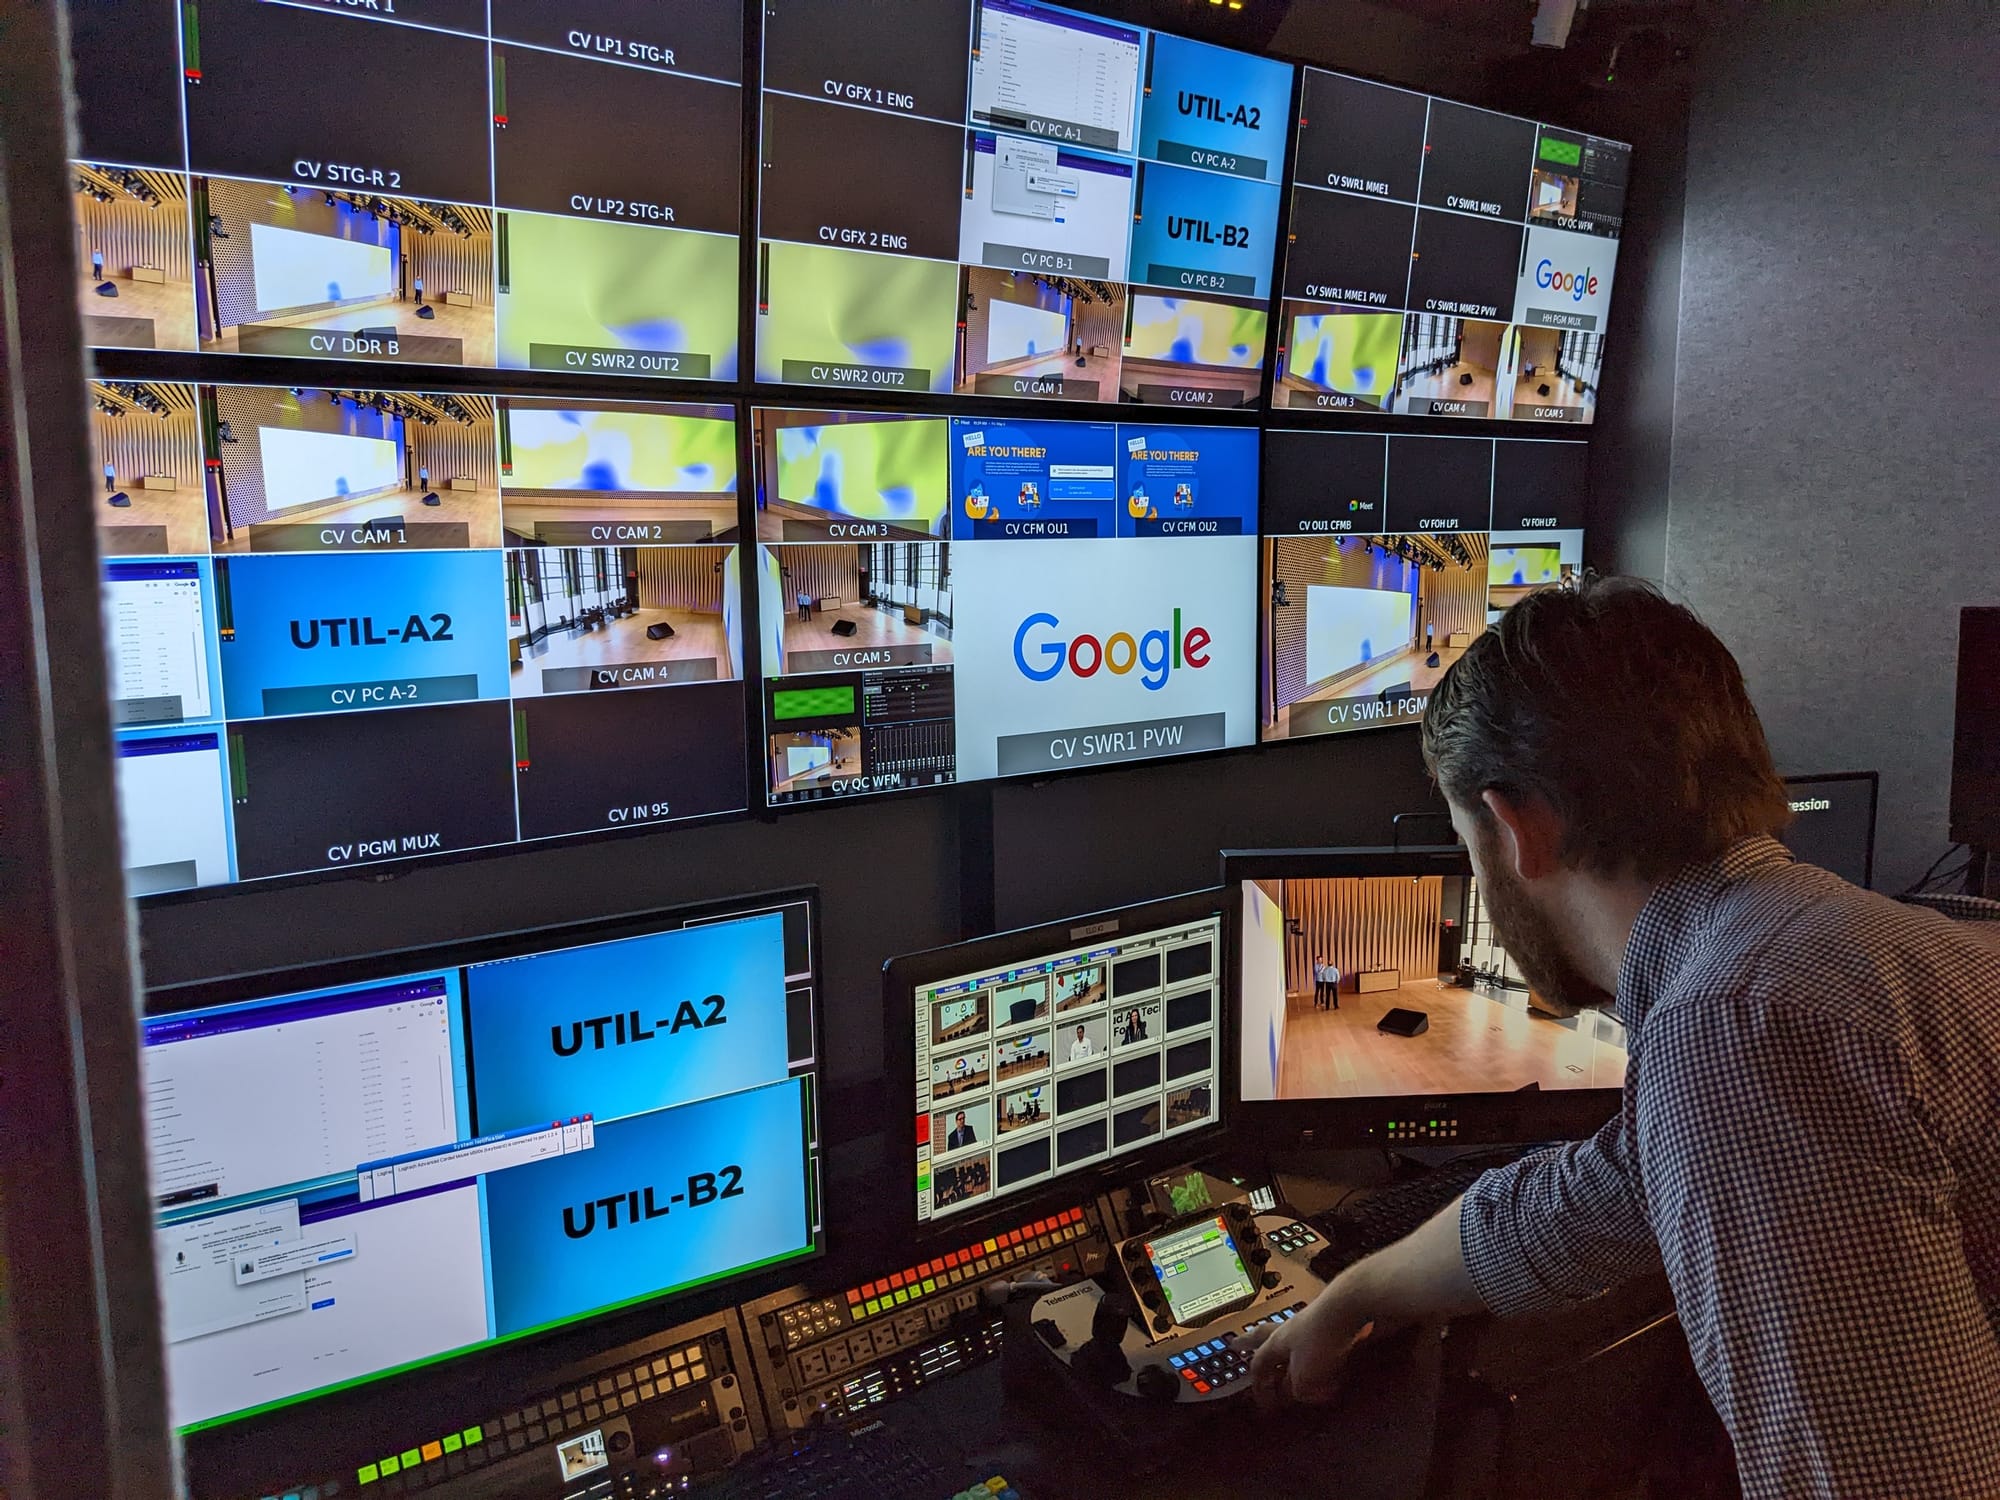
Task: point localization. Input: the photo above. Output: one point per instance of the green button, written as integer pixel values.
(453, 1442)
(474, 1435)
(368, 1474)
(412, 1457)
(391, 1466)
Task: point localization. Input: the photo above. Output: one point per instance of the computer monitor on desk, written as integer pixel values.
(414, 1188)
(1833, 823)
(1370, 1003)
(1046, 1059)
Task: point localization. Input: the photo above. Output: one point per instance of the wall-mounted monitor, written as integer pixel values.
(506, 187)
(1011, 198)
(1445, 260)
(376, 1177)
(949, 599)
(1043, 1057)
(351, 626)
(1384, 555)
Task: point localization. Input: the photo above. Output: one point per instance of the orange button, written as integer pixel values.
(433, 1452)
(854, 1296)
(896, 1280)
(1202, 1386)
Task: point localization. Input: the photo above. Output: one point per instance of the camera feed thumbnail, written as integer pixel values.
(1192, 351)
(135, 250)
(1326, 961)
(146, 457)
(832, 476)
(840, 610)
(332, 274)
(302, 469)
(1514, 572)
(1133, 1032)
(586, 619)
(586, 474)
(828, 315)
(1450, 367)
(1036, 335)
(1335, 359)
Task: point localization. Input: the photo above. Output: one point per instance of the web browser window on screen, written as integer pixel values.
(961, 599)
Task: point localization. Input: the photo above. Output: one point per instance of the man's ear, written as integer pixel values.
(1528, 837)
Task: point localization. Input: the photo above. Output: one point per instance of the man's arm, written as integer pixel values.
(1553, 1228)
(1808, 1224)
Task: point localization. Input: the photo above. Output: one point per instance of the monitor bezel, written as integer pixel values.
(1482, 1118)
(1874, 782)
(467, 1388)
(905, 973)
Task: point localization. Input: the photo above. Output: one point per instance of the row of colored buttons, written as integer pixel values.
(1289, 1239)
(962, 1265)
(410, 1458)
(995, 1488)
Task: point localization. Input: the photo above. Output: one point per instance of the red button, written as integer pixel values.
(854, 1296)
(1188, 1375)
(1202, 1386)
(896, 1281)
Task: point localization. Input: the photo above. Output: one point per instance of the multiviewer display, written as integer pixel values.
(363, 1178)
(1005, 197)
(1385, 555)
(444, 183)
(1445, 260)
(1325, 961)
(358, 625)
(950, 599)
(1046, 1067)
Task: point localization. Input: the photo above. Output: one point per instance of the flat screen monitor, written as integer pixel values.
(1012, 198)
(1384, 555)
(1445, 261)
(1042, 1058)
(956, 599)
(352, 626)
(1833, 823)
(506, 187)
(1975, 754)
(1372, 1002)
(409, 1163)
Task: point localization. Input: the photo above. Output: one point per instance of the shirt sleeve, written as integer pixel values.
(1807, 1221)
(1558, 1227)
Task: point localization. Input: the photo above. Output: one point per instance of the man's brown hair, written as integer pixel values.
(1620, 710)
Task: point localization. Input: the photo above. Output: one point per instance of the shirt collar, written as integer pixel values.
(1668, 934)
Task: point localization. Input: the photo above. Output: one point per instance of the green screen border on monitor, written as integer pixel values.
(210, 1423)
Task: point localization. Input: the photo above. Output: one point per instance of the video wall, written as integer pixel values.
(1009, 198)
(954, 598)
(354, 622)
(1445, 260)
(450, 183)
(356, 625)
(1384, 555)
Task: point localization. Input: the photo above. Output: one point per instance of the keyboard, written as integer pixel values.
(1359, 1226)
(873, 1463)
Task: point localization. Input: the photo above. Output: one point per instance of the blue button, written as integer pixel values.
(1176, 1360)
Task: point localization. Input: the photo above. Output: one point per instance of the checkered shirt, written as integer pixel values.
(1809, 1144)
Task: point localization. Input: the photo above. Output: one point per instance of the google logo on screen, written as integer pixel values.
(1157, 654)
(1578, 284)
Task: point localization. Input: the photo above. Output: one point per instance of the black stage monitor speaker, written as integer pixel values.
(426, 311)
(383, 523)
(107, 289)
(431, 498)
(1401, 1022)
(1465, 379)
(844, 627)
(119, 501)
(1542, 389)
(660, 632)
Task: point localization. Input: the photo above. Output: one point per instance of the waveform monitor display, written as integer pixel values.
(1385, 555)
(1009, 198)
(943, 599)
(360, 1174)
(350, 626)
(1445, 260)
(512, 185)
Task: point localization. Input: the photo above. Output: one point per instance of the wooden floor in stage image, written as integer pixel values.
(1476, 1043)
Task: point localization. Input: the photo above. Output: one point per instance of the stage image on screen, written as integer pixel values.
(446, 189)
(1385, 556)
(357, 587)
(1325, 960)
(1081, 167)
(134, 257)
(303, 1255)
(146, 461)
(1445, 260)
(309, 470)
(1099, 1082)
(1030, 596)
